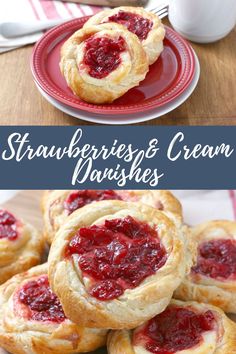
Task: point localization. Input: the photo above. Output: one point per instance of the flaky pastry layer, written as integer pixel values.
(136, 305)
(22, 253)
(131, 71)
(21, 336)
(206, 289)
(55, 214)
(153, 44)
(221, 340)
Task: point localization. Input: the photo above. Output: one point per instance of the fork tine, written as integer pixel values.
(163, 15)
(160, 12)
(160, 9)
(157, 9)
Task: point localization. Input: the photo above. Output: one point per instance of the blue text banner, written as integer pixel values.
(117, 157)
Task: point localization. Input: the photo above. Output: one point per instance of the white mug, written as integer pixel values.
(203, 21)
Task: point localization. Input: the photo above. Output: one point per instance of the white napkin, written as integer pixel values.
(203, 205)
(7, 45)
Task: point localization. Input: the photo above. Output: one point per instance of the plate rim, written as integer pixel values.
(43, 82)
(104, 120)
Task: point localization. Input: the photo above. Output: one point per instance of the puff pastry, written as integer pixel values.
(184, 327)
(101, 63)
(146, 25)
(58, 204)
(213, 279)
(115, 264)
(21, 246)
(32, 320)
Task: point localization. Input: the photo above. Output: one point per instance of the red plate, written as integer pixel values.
(166, 80)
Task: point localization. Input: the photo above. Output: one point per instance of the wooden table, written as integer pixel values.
(212, 103)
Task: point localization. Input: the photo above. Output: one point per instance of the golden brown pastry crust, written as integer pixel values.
(21, 336)
(135, 305)
(54, 213)
(21, 254)
(205, 289)
(130, 73)
(153, 44)
(120, 342)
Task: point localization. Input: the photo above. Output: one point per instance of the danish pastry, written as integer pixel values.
(57, 205)
(184, 327)
(101, 63)
(213, 279)
(115, 264)
(21, 246)
(32, 319)
(146, 25)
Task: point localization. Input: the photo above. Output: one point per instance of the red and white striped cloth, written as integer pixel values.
(51, 9)
(36, 10)
(18, 10)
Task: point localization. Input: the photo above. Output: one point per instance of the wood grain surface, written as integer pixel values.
(212, 103)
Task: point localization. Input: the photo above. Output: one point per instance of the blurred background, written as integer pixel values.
(198, 205)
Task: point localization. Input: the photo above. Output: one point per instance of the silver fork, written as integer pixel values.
(161, 11)
(19, 29)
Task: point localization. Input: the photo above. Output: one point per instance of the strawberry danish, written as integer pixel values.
(57, 205)
(21, 245)
(102, 62)
(213, 278)
(115, 264)
(144, 24)
(32, 320)
(184, 327)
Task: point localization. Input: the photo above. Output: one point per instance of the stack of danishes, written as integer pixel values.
(111, 54)
(123, 271)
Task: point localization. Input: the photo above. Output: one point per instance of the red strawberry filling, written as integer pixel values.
(80, 198)
(217, 259)
(8, 228)
(42, 304)
(103, 55)
(174, 330)
(117, 255)
(134, 23)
